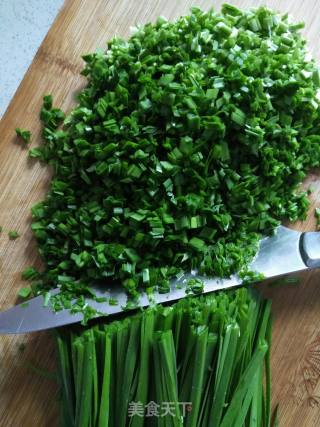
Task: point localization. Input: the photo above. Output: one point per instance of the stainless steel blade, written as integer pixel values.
(280, 254)
(286, 252)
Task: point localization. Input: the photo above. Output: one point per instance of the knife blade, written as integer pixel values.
(285, 252)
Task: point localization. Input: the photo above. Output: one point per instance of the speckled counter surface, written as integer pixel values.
(23, 25)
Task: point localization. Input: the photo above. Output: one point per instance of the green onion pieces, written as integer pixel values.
(187, 145)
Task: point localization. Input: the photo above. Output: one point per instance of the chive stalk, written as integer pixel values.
(211, 352)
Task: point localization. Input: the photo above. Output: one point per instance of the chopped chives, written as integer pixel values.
(13, 235)
(24, 134)
(181, 157)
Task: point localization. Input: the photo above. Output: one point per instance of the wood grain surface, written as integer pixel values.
(27, 397)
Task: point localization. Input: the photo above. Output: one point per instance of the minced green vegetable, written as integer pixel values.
(24, 134)
(187, 145)
(30, 273)
(13, 234)
(25, 292)
(204, 361)
(195, 286)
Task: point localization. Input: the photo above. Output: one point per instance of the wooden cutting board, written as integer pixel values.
(28, 398)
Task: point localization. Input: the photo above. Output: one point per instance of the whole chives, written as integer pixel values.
(146, 339)
(105, 389)
(211, 351)
(198, 375)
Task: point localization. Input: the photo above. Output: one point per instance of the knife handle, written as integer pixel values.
(310, 248)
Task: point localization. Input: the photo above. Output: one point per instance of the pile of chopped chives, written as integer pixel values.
(187, 145)
(203, 361)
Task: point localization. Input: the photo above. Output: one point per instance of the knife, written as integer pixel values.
(285, 252)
